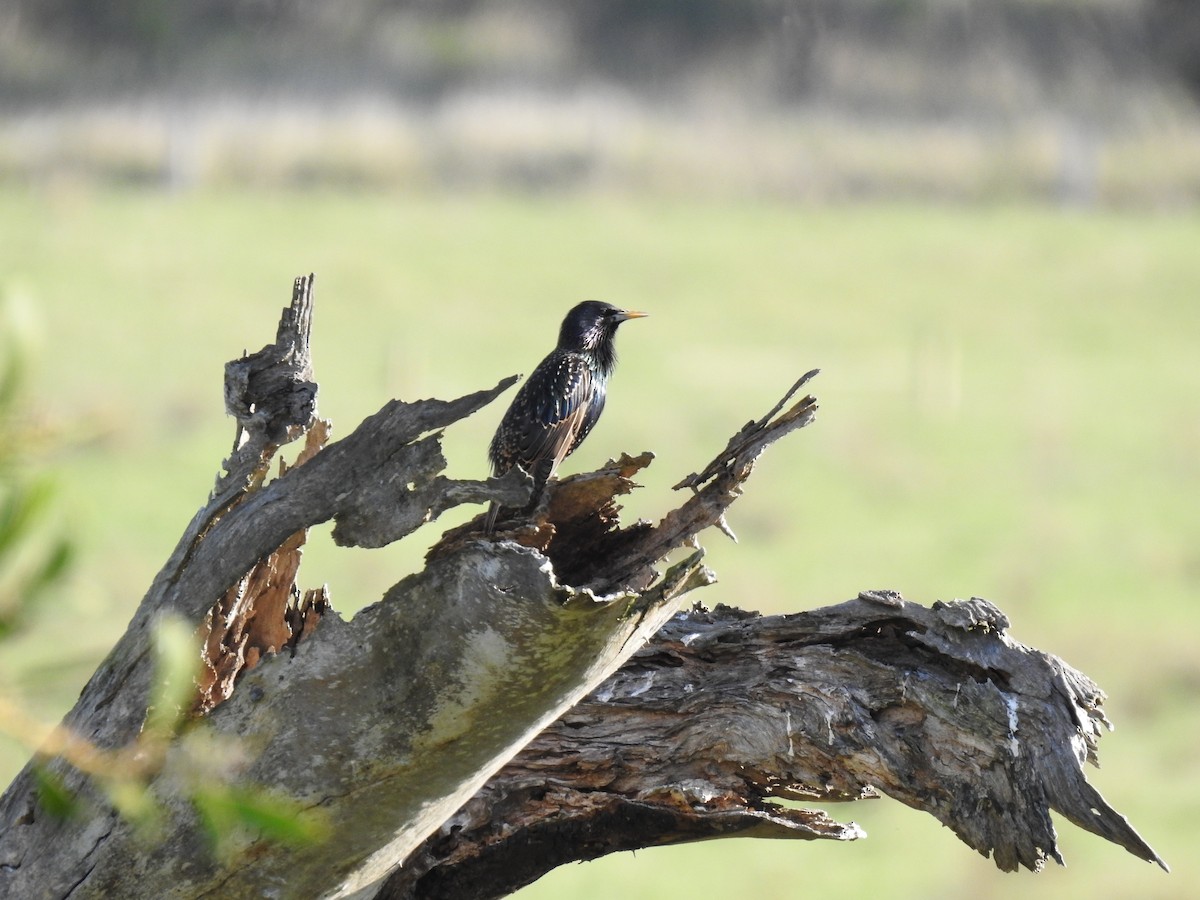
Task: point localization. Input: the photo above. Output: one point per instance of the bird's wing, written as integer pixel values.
(560, 409)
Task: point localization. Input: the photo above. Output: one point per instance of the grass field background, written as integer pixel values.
(1009, 409)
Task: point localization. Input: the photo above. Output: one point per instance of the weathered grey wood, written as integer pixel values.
(714, 491)
(112, 706)
(370, 469)
(416, 702)
(271, 393)
(392, 721)
(384, 721)
(725, 711)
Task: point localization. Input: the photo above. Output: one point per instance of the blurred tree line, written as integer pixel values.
(1075, 101)
(418, 48)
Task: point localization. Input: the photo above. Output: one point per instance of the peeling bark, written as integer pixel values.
(264, 612)
(389, 723)
(379, 483)
(725, 711)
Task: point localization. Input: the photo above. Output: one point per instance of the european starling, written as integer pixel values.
(559, 403)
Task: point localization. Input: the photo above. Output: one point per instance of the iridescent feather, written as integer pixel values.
(559, 404)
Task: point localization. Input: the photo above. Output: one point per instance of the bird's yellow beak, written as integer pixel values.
(625, 314)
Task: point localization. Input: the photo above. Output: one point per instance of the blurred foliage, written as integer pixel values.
(173, 746)
(177, 657)
(206, 769)
(34, 556)
(130, 43)
(54, 796)
(228, 813)
(34, 553)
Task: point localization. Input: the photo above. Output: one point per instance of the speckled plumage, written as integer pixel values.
(558, 405)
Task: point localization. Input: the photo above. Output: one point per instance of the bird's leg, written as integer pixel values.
(489, 524)
(542, 473)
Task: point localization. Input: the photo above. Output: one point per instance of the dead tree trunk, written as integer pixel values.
(724, 711)
(444, 726)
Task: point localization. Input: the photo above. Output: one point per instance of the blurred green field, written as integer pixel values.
(1009, 401)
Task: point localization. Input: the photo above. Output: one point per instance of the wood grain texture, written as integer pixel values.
(388, 723)
(725, 711)
(405, 727)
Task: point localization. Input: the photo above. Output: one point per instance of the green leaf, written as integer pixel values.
(176, 663)
(226, 810)
(279, 819)
(53, 795)
(11, 377)
(133, 800)
(23, 506)
(53, 567)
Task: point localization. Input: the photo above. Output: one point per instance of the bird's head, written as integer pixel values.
(590, 326)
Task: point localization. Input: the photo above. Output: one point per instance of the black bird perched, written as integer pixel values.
(559, 403)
